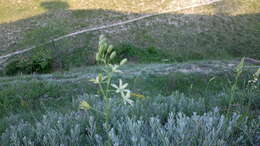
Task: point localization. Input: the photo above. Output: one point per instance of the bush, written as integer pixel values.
(207, 129)
(52, 129)
(150, 54)
(45, 61)
(78, 128)
(38, 61)
(151, 121)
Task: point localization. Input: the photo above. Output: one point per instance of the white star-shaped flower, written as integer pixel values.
(121, 87)
(126, 97)
(125, 93)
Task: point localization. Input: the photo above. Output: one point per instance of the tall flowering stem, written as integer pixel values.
(104, 56)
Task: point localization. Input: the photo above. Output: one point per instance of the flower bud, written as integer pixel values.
(97, 57)
(123, 61)
(102, 37)
(101, 43)
(110, 49)
(100, 77)
(113, 55)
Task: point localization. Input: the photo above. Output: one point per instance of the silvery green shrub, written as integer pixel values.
(203, 130)
(176, 124)
(157, 106)
(53, 129)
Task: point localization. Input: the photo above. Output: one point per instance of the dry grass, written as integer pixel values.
(26, 23)
(13, 10)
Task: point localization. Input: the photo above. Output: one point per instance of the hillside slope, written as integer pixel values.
(224, 29)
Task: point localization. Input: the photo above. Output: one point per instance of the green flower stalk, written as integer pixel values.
(238, 70)
(104, 56)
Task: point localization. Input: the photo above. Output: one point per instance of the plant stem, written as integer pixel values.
(233, 90)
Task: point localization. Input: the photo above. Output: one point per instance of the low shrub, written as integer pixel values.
(208, 129)
(38, 61)
(150, 54)
(52, 129)
(79, 128)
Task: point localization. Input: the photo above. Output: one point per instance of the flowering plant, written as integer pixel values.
(104, 56)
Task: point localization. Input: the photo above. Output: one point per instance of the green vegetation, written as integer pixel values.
(142, 55)
(183, 96)
(39, 61)
(183, 84)
(59, 95)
